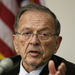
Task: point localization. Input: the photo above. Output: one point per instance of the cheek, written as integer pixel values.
(22, 45)
(49, 48)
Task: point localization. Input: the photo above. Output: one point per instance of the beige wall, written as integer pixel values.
(65, 12)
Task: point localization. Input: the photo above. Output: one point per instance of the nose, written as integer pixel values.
(35, 40)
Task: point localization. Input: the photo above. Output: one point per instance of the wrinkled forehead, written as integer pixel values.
(36, 13)
(35, 19)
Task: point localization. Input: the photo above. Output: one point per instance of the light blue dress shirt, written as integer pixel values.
(34, 72)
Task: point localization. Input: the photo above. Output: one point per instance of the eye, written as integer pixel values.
(44, 34)
(26, 33)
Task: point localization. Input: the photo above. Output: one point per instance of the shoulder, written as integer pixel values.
(16, 59)
(58, 60)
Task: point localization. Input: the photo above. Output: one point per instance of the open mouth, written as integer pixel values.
(34, 53)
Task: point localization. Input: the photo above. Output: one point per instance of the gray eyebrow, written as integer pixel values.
(46, 28)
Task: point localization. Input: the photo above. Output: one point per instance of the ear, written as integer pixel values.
(58, 42)
(15, 43)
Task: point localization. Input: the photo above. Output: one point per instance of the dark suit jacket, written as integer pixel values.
(15, 70)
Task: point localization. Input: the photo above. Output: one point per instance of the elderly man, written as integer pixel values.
(36, 40)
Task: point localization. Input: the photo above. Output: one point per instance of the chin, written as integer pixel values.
(34, 61)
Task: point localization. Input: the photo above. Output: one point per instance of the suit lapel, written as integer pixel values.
(45, 71)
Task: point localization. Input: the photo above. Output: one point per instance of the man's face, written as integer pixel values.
(35, 51)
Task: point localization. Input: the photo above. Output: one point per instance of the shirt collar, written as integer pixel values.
(34, 72)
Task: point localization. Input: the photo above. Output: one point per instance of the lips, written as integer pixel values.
(34, 53)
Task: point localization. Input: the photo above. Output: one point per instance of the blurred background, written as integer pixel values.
(65, 12)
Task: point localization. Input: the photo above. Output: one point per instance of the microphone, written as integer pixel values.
(5, 65)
